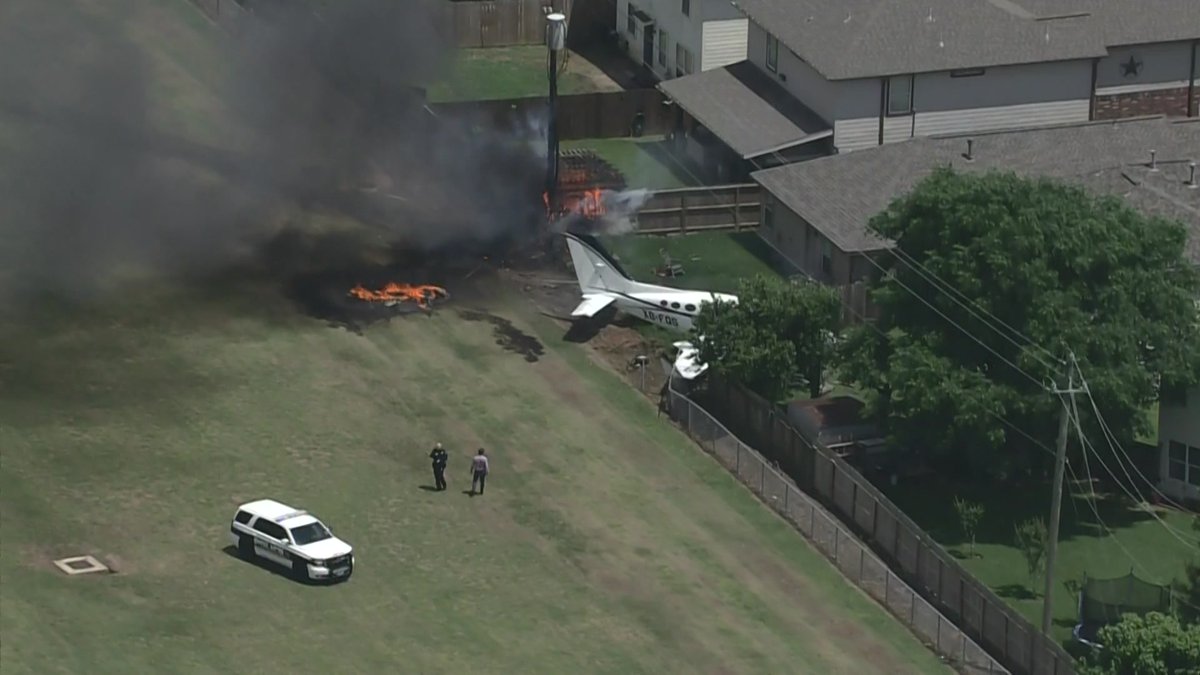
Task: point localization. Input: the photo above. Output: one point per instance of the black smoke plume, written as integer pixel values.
(330, 146)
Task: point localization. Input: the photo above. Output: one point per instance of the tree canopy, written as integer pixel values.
(774, 333)
(987, 266)
(1154, 644)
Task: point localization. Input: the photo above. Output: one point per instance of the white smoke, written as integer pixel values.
(618, 215)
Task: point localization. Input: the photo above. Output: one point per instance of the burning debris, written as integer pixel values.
(393, 293)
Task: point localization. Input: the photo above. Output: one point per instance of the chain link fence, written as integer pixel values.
(851, 556)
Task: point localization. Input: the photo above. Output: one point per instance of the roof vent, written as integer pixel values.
(1153, 160)
(969, 155)
(1191, 182)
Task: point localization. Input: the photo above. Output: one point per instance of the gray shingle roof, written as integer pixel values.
(851, 39)
(1130, 22)
(838, 195)
(745, 108)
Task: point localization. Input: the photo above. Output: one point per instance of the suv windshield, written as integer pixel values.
(307, 534)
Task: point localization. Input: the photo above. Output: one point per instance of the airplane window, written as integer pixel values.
(663, 303)
(690, 308)
(675, 305)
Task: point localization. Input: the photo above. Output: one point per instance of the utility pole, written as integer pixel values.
(1060, 460)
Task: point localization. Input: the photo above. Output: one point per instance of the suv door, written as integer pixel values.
(271, 541)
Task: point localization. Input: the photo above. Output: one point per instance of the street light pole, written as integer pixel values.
(556, 39)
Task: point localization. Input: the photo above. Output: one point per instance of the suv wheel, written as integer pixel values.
(245, 547)
(300, 569)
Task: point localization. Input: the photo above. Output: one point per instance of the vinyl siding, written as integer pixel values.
(1179, 423)
(1163, 66)
(798, 78)
(1002, 98)
(856, 123)
(717, 17)
(723, 42)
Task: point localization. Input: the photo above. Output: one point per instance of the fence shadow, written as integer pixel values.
(850, 555)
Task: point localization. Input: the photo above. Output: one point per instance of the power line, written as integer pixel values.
(947, 288)
(1115, 446)
(1095, 509)
(966, 332)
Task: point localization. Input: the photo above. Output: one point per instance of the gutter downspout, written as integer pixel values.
(883, 97)
(1191, 111)
(1092, 101)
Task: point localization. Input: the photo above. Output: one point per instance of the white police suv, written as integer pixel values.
(292, 538)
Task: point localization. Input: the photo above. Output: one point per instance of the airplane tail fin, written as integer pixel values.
(595, 271)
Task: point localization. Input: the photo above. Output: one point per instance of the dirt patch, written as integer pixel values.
(599, 80)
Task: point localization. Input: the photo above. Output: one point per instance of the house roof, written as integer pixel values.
(746, 109)
(838, 195)
(1129, 22)
(876, 38)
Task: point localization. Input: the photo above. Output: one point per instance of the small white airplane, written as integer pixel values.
(603, 283)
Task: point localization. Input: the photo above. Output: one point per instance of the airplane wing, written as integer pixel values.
(592, 304)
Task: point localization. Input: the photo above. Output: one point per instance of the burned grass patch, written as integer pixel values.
(507, 335)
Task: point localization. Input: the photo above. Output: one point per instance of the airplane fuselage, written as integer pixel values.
(671, 309)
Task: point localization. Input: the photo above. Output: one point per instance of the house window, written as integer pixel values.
(826, 258)
(1177, 468)
(687, 7)
(900, 95)
(663, 41)
(683, 60)
(630, 21)
(772, 54)
(1183, 463)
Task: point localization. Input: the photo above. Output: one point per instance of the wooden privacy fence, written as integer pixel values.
(606, 114)
(502, 23)
(713, 207)
(922, 563)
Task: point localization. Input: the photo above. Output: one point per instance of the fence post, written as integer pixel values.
(682, 213)
(762, 477)
(937, 644)
(787, 489)
(737, 461)
(837, 534)
(860, 563)
(887, 585)
(737, 209)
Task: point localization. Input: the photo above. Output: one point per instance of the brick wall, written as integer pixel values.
(1161, 102)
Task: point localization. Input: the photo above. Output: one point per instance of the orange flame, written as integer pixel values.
(394, 292)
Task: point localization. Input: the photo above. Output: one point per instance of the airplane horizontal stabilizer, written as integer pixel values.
(592, 304)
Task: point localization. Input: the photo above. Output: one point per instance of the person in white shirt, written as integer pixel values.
(479, 471)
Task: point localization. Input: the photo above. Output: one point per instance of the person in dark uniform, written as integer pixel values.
(440, 457)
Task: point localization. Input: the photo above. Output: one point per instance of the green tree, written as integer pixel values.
(776, 331)
(1053, 263)
(1188, 591)
(1030, 538)
(1154, 644)
(969, 515)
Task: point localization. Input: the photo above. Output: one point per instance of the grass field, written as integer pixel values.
(645, 162)
(1137, 542)
(714, 261)
(131, 428)
(606, 542)
(514, 72)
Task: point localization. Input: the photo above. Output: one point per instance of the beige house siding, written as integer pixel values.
(723, 42)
